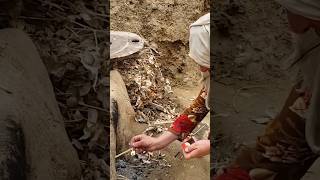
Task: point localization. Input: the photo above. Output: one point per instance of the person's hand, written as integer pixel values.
(143, 142)
(198, 149)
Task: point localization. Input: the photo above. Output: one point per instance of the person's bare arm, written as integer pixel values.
(143, 142)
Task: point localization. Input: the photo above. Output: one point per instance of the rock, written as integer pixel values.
(32, 106)
(121, 164)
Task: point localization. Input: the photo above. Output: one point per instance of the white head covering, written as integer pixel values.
(199, 45)
(199, 41)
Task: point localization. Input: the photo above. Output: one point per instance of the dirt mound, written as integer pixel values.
(251, 41)
(34, 141)
(165, 24)
(157, 21)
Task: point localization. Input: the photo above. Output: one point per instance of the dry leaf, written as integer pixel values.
(85, 16)
(85, 89)
(58, 71)
(72, 101)
(77, 144)
(86, 134)
(77, 115)
(262, 120)
(92, 117)
(91, 62)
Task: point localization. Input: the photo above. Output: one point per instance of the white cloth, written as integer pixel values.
(199, 45)
(309, 73)
(307, 8)
(199, 41)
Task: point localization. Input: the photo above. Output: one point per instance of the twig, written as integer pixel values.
(95, 38)
(83, 162)
(157, 107)
(51, 4)
(92, 107)
(79, 24)
(97, 30)
(73, 121)
(120, 177)
(138, 166)
(74, 49)
(5, 90)
(62, 105)
(71, 4)
(238, 92)
(36, 18)
(84, 27)
(198, 130)
(72, 31)
(124, 152)
(164, 122)
(177, 154)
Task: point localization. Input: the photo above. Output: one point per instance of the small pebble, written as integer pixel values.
(121, 164)
(134, 177)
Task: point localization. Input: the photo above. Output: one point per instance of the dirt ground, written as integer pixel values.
(166, 166)
(252, 41)
(164, 25)
(247, 53)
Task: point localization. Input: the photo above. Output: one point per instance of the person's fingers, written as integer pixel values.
(132, 140)
(190, 148)
(186, 139)
(198, 149)
(135, 139)
(139, 144)
(191, 154)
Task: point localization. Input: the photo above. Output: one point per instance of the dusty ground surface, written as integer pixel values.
(165, 24)
(135, 169)
(251, 42)
(165, 64)
(247, 51)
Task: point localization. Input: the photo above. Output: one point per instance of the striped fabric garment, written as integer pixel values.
(190, 117)
(284, 140)
(282, 151)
